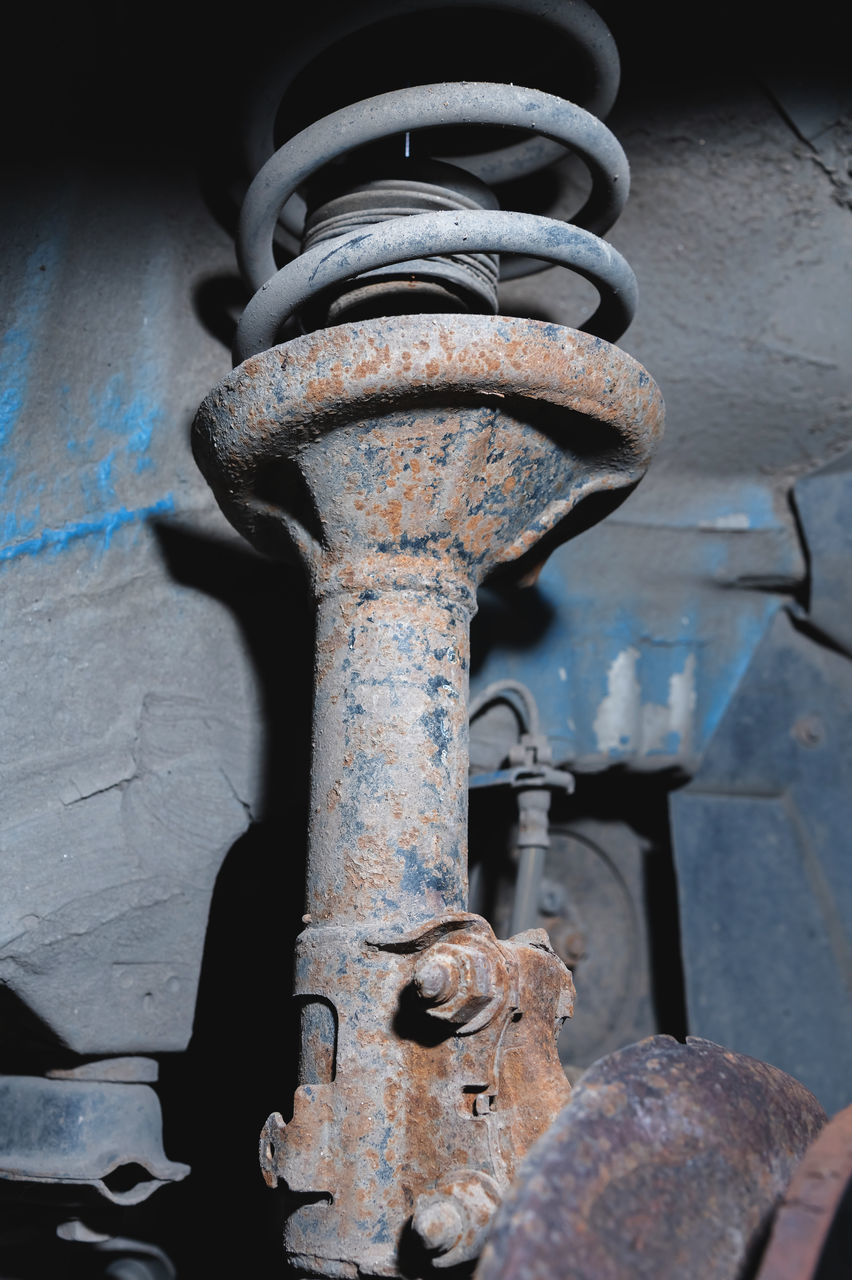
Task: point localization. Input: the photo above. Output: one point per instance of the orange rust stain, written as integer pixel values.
(333, 797)
(370, 367)
(330, 387)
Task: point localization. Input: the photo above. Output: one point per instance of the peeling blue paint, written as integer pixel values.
(436, 685)
(653, 631)
(420, 880)
(439, 729)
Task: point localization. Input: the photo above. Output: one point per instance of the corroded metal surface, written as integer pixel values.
(668, 1162)
(397, 1105)
(598, 412)
(414, 241)
(403, 460)
(800, 1247)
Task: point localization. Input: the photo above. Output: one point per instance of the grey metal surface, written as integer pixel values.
(469, 231)
(532, 780)
(120, 1257)
(80, 1132)
(406, 240)
(466, 282)
(585, 30)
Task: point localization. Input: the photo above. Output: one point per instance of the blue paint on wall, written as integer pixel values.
(129, 413)
(104, 421)
(724, 667)
(101, 528)
(18, 343)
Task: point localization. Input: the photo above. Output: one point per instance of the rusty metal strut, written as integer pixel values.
(405, 459)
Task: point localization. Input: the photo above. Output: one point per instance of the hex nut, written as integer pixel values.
(459, 980)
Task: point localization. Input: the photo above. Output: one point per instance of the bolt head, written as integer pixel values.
(436, 978)
(438, 1222)
(460, 980)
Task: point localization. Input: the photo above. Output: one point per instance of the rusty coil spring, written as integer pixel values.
(434, 220)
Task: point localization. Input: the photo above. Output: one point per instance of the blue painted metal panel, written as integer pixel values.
(762, 857)
(640, 632)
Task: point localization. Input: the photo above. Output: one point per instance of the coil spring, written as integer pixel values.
(434, 226)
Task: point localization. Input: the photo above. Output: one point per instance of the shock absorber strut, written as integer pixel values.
(406, 449)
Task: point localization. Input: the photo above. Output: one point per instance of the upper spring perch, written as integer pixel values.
(576, 246)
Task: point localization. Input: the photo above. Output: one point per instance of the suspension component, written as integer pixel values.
(404, 457)
(403, 241)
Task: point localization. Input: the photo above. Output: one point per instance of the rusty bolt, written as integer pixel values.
(438, 1222)
(436, 978)
(460, 981)
(451, 1221)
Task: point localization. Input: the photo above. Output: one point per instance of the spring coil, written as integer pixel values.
(459, 230)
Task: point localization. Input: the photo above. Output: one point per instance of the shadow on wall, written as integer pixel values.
(240, 1064)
